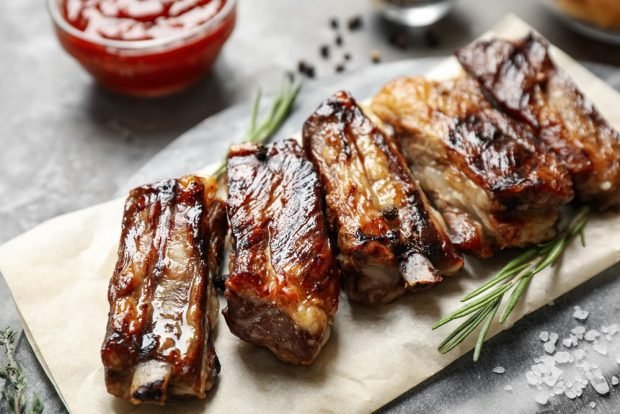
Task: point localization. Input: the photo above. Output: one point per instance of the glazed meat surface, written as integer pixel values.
(487, 173)
(163, 306)
(522, 79)
(389, 238)
(284, 282)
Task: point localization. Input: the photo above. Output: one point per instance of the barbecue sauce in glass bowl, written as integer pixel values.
(144, 47)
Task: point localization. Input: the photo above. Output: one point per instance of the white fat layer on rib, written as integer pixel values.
(461, 192)
(310, 318)
(152, 373)
(381, 281)
(417, 269)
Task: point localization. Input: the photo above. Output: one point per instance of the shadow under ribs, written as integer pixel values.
(163, 306)
(521, 78)
(389, 237)
(284, 283)
(488, 175)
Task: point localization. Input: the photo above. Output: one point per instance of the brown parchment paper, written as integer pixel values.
(59, 271)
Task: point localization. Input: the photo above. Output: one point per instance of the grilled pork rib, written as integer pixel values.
(522, 79)
(163, 306)
(487, 173)
(389, 238)
(284, 283)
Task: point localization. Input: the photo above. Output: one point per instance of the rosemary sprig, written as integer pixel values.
(484, 302)
(259, 133)
(14, 392)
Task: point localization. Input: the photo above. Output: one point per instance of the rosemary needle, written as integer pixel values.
(14, 392)
(483, 303)
(280, 108)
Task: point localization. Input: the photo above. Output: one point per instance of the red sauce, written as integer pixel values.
(155, 69)
(139, 19)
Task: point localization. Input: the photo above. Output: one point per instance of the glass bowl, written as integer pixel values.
(151, 67)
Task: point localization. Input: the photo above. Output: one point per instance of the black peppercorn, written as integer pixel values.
(390, 213)
(355, 23)
(306, 69)
(375, 56)
(324, 51)
(261, 153)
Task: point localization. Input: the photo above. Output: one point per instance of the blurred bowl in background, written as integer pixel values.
(414, 13)
(151, 67)
(596, 19)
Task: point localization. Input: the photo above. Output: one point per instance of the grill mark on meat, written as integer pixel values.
(159, 341)
(283, 285)
(486, 172)
(521, 78)
(385, 234)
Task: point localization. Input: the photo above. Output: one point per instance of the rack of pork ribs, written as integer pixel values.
(381, 199)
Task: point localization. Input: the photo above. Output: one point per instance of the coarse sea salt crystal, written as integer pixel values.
(600, 348)
(547, 360)
(539, 369)
(552, 376)
(578, 331)
(580, 372)
(499, 370)
(570, 393)
(598, 381)
(542, 398)
(508, 388)
(591, 335)
(553, 337)
(532, 378)
(549, 347)
(580, 314)
(563, 357)
(583, 364)
(579, 354)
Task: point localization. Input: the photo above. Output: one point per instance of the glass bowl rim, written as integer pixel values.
(53, 7)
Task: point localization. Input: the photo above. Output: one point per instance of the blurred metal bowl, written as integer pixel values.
(414, 13)
(583, 27)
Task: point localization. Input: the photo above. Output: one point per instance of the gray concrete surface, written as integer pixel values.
(67, 144)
